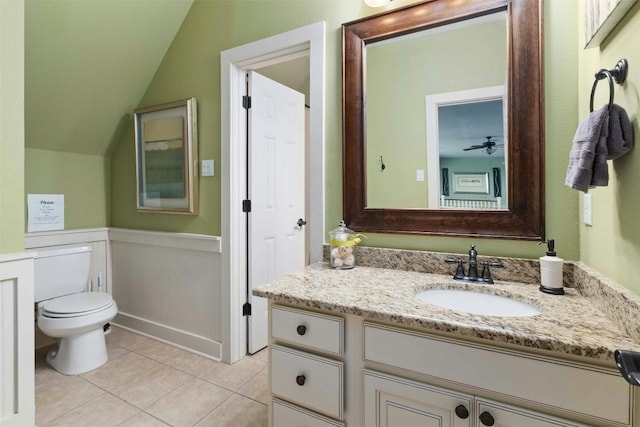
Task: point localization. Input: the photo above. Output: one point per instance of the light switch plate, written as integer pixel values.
(419, 175)
(207, 168)
(587, 212)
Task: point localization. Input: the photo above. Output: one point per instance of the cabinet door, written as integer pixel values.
(391, 401)
(490, 413)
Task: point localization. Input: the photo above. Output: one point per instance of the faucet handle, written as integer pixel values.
(486, 273)
(459, 269)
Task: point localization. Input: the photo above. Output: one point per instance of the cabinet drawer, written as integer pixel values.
(286, 415)
(541, 380)
(308, 380)
(308, 329)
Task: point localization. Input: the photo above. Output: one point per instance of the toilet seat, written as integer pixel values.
(75, 305)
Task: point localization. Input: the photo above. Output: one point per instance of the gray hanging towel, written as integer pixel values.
(618, 141)
(583, 151)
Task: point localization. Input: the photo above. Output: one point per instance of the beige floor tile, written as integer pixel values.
(262, 355)
(142, 419)
(61, 394)
(237, 411)
(145, 389)
(233, 376)
(257, 387)
(189, 403)
(191, 363)
(118, 370)
(117, 334)
(45, 374)
(117, 392)
(128, 340)
(157, 350)
(115, 351)
(103, 411)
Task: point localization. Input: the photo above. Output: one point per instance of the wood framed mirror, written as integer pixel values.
(523, 216)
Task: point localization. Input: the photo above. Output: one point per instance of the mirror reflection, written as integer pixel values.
(435, 117)
(456, 151)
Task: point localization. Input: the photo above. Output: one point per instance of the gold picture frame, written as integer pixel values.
(166, 144)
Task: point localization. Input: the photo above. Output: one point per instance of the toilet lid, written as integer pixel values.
(79, 304)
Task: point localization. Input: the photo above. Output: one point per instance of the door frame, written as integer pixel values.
(234, 63)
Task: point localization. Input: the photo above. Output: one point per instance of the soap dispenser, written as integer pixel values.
(551, 271)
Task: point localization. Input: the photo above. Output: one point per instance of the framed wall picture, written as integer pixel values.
(471, 183)
(167, 158)
(600, 17)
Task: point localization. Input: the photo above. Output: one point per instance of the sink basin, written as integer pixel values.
(477, 303)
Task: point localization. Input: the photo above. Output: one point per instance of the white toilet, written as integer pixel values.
(68, 312)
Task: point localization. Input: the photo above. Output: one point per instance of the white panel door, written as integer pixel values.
(276, 190)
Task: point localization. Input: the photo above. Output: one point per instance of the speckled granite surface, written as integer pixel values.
(572, 324)
(520, 270)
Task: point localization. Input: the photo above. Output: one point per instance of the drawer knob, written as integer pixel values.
(300, 379)
(462, 412)
(486, 419)
(301, 329)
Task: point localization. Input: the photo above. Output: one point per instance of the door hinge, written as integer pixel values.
(246, 102)
(246, 206)
(246, 309)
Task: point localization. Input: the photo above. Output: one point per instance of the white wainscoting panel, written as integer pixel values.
(17, 358)
(168, 286)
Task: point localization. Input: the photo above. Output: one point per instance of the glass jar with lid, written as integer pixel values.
(343, 242)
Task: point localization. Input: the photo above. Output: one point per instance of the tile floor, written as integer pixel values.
(150, 383)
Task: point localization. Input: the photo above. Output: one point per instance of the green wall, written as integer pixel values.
(612, 244)
(191, 68)
(83, 179)
(12, 203)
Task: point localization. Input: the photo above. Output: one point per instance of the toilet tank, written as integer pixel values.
(59, 272)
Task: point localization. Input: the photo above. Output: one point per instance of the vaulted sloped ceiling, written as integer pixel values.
(88, 64)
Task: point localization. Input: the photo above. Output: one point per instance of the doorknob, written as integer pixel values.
(301, 222)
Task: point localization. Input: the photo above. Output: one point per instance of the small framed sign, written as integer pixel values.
(45, 212)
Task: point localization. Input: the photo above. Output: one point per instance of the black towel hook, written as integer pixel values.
(618, 73)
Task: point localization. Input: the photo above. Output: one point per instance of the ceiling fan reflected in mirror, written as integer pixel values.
(489, 146)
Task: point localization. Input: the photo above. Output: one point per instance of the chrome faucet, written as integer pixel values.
(472, 274)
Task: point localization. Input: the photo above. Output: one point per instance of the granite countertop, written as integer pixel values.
(569, 324)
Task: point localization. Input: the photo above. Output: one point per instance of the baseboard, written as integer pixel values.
(185, 340)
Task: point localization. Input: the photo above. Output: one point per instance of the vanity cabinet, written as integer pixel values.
(596, 394)
(306, 370)
(393, 376)
(391, 401)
